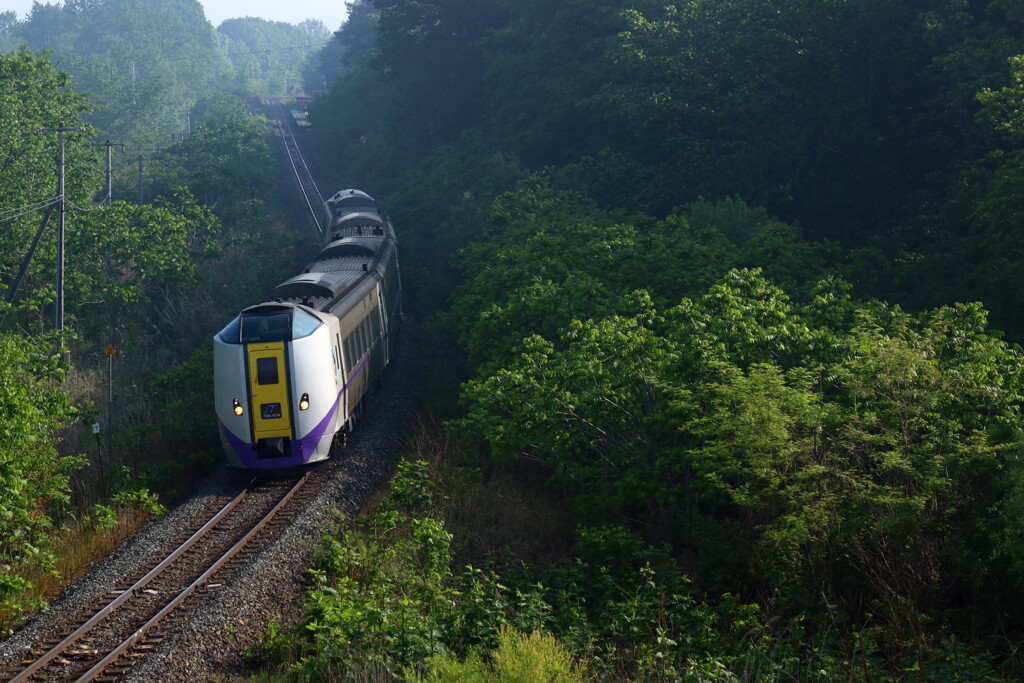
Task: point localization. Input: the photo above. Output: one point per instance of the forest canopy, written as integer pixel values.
(738, 276)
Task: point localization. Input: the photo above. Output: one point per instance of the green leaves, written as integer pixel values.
(819, 427)
(121, 255)
(34, 478)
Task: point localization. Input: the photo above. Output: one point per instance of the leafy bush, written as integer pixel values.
(861, 457)
(518, 658)
(34, 478)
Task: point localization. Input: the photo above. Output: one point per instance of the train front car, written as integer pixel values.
(276, 406)
(294, 371)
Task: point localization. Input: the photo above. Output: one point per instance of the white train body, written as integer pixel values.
(292, 372)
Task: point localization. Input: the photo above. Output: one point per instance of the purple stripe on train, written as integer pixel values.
(300, 449)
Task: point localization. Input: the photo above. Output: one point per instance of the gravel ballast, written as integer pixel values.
(206, 641)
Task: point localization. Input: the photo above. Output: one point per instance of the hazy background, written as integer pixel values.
(331, 12)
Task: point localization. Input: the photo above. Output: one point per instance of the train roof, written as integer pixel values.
(314, 285)
(351, 220)
(317, 290)
(351, 246)
(351, 196)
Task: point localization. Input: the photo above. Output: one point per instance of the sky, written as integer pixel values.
(331, 12)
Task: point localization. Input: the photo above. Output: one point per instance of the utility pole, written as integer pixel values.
(141, 158)
(110, 173)
(132, 62)
(60, 130)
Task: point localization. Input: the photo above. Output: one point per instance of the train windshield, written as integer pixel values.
(303, 324)
(269, 326)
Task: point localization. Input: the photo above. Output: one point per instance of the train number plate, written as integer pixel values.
(270, 411)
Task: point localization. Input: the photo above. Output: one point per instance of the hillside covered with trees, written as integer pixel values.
(147, 64)
(729, 288)
(716, 307)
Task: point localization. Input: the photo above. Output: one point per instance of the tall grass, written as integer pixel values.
(75, 549)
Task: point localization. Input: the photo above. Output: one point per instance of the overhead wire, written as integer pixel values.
(231, 53)
(87, 209)
(25, 210)
(28, 206)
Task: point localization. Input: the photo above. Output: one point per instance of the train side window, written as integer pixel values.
(266, 371)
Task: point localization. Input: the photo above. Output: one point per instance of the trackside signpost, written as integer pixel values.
(109, 351)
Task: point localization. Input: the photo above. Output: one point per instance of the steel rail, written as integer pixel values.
(293, 152)
(288, 138)
(98, 669)
(75, 635)
(302, 158)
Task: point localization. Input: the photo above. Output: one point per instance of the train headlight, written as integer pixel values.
(238, 407)
(304, 402)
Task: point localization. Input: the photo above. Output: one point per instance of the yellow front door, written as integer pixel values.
(268, 390)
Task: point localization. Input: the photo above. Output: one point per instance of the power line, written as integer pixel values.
(230, 53)
(28, 209)
(29, 206)
(88, 209)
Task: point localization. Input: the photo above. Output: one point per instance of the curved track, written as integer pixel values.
(112, 635)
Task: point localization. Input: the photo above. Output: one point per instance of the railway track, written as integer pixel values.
(107, 638)
(308, 190)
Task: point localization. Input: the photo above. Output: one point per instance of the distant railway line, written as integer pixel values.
(109, 637)
(285, 126)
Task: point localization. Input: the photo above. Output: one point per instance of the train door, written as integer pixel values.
(268, 391)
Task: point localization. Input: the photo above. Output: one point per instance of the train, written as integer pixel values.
(293, 372)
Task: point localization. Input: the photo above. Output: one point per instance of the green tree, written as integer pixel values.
(225, 163)
(144, 61)
(268, 55)
(34, 478)
(120, 255)
(34, 94)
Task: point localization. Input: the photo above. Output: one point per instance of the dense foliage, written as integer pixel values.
(887, 127)
(389, 596)
(269, 56)
(792, 397)
(33, 94)
(146, 64)
(151, 281)
(34, 477)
